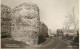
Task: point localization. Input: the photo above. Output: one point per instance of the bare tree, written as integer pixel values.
(71, 19)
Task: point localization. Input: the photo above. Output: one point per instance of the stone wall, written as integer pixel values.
(25, 23)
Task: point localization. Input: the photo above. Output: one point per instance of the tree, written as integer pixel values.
(71, 19)
(5, 21)
(43, 32)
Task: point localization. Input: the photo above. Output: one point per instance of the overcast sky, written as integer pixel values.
(52, 12)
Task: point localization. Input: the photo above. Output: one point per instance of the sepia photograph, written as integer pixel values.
(39, 24)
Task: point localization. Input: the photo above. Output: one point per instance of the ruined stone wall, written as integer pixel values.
(25, 23)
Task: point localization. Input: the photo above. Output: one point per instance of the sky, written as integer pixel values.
(52, 12)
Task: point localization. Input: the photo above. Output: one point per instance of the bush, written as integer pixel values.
(5, 21)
